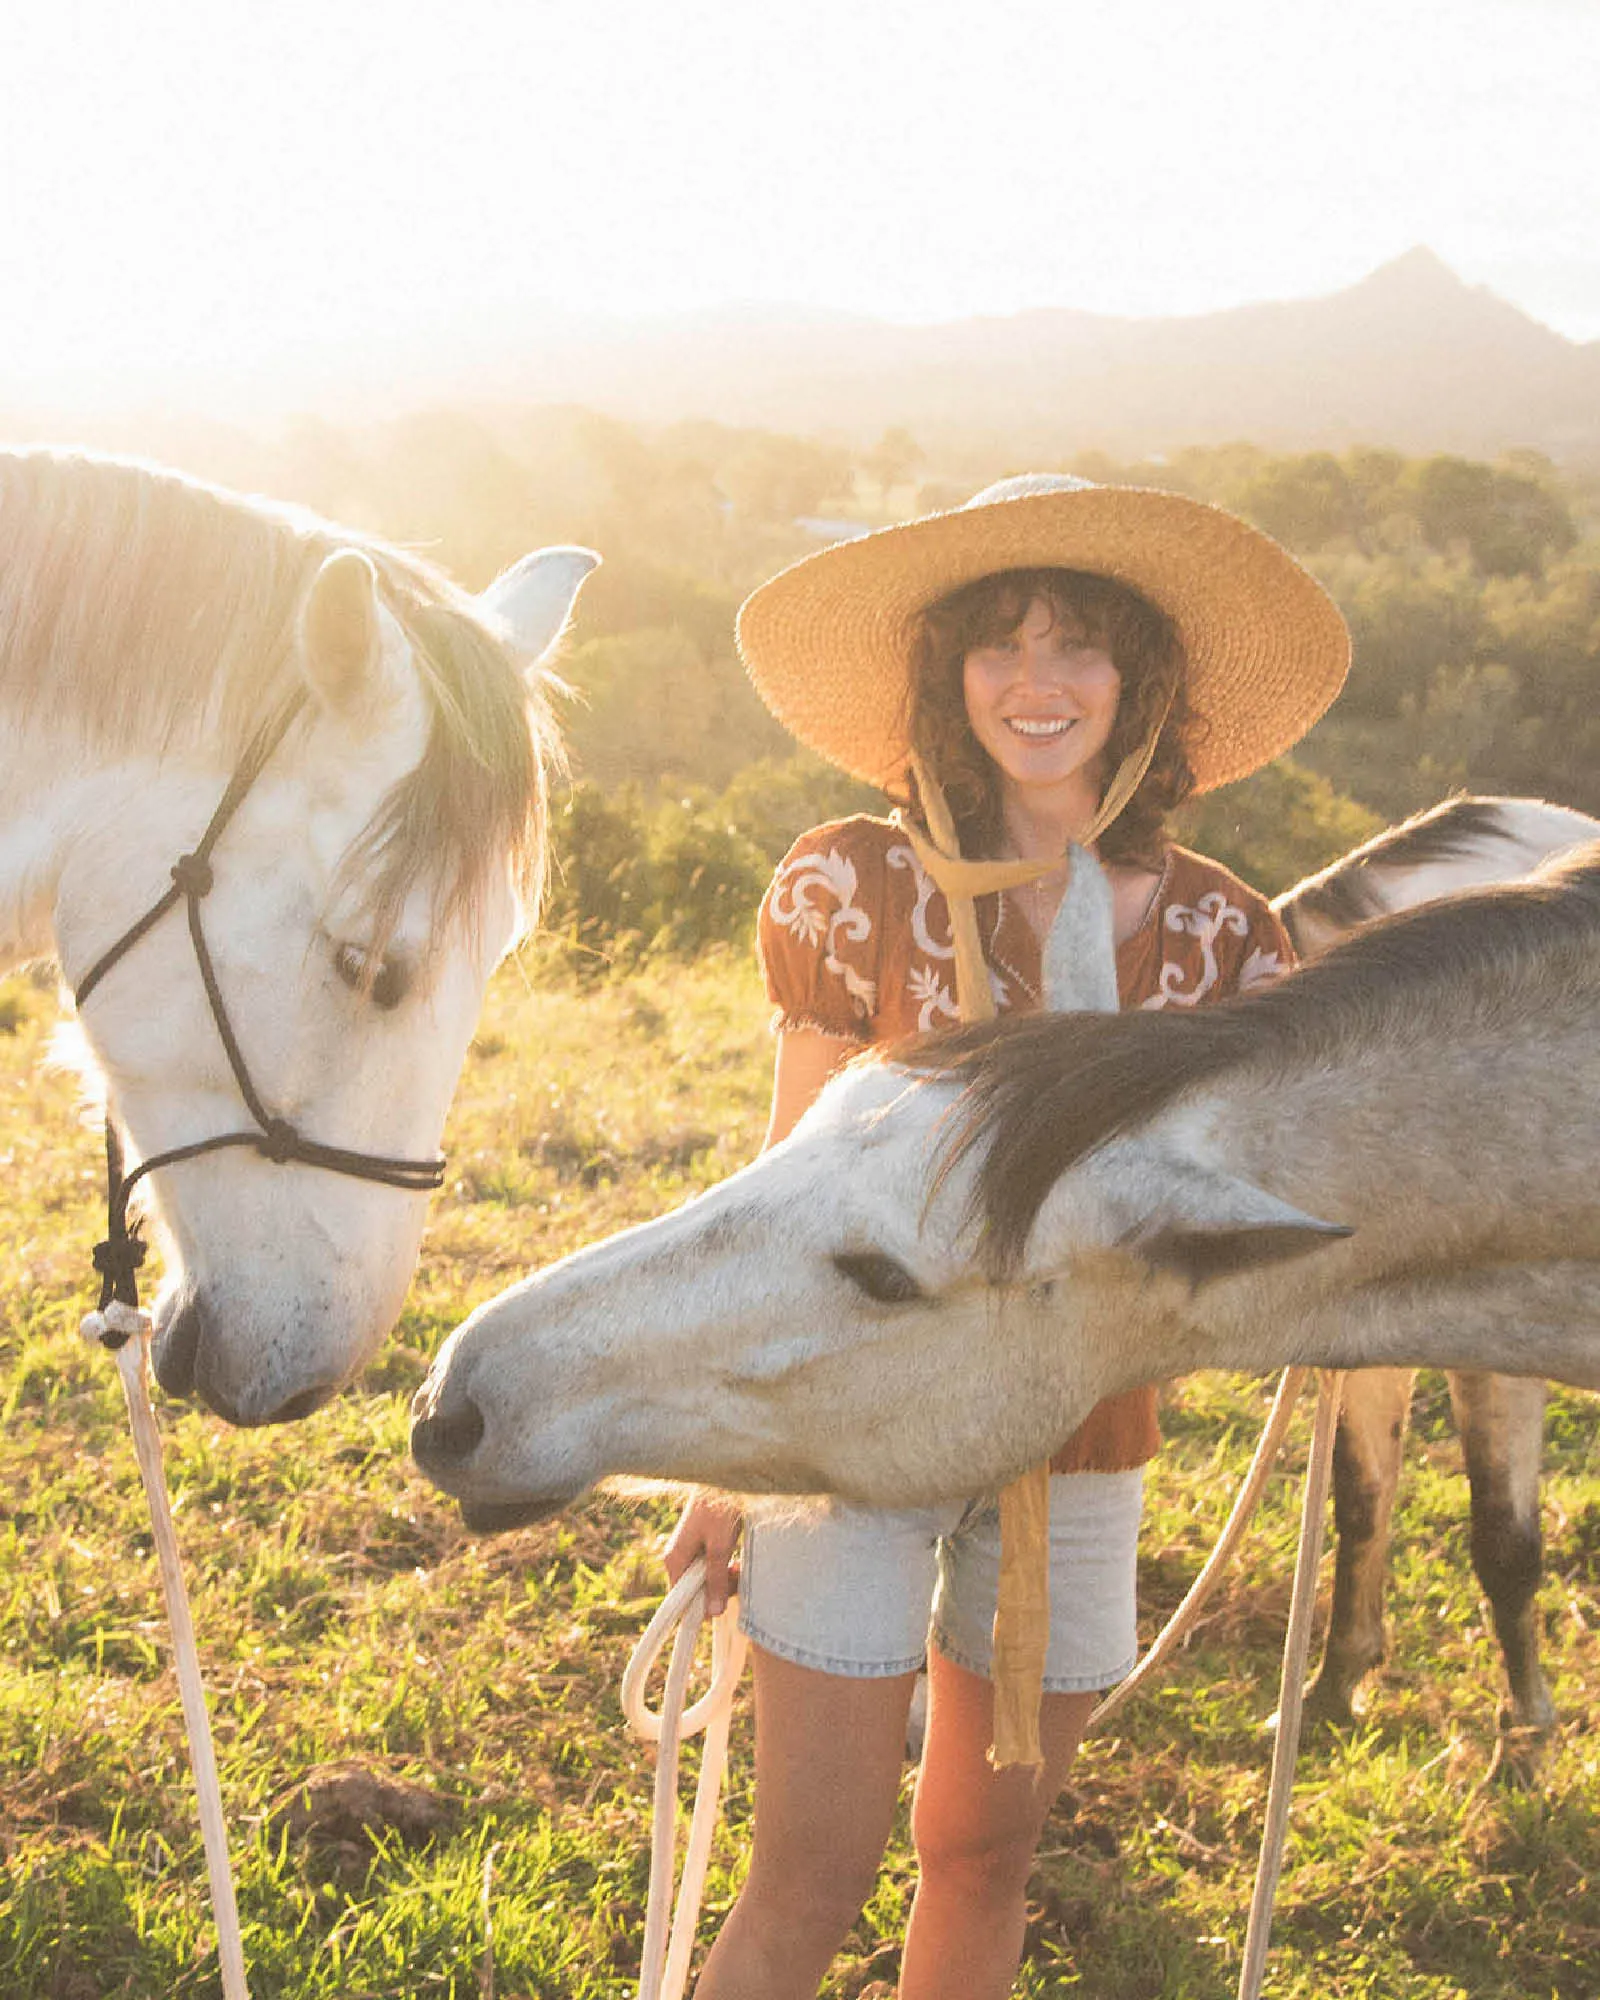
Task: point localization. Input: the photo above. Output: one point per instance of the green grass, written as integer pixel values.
(344, 1614)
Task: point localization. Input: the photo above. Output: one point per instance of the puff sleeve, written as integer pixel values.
(820, 932)
(1214, 938)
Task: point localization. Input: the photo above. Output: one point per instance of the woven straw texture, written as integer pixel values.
(827, 641)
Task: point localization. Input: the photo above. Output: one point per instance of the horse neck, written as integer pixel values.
(1462, 1170)
(1528, 831)
(59, 795)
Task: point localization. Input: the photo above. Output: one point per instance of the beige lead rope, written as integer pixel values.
(1245, 1501)
(126, 1330)
(1291, 1695)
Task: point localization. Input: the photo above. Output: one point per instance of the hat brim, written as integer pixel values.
(827, 641)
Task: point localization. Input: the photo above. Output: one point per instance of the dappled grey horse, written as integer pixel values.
(1459, 844)
(965, 1246)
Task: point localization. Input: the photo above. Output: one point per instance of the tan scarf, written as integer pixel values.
(1022, 1612)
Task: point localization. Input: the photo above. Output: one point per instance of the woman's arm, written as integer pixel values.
(709, 1525)
(806, 1058)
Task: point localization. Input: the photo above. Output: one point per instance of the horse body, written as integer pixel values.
(148, 627)
(1374, 1163)
(1458, 845)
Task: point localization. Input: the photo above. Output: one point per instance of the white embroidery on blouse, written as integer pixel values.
(1206, 921)
(1260, 969)
(936, 1002)
(826, 874)
(902, 856)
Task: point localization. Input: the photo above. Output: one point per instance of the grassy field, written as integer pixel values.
(345, 1615)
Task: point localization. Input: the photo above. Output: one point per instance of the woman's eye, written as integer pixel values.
(880, 1277)
(388, 985)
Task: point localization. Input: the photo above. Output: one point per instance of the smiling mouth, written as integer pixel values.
(1040, 732)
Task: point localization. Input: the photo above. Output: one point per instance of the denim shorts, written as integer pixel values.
(862, 1591)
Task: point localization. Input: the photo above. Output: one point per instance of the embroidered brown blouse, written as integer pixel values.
(855, 941)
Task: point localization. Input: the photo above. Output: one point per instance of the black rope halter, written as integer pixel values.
(118, 1258)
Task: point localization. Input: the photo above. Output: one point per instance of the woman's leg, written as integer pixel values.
(976, 1830)
(829, 1751)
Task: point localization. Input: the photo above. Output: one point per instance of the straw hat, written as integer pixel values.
(827, 642)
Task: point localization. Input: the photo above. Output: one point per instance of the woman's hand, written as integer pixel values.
(709, 1526)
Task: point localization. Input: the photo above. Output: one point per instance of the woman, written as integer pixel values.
(1052, 664)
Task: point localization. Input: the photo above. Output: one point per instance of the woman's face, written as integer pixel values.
(1042, 702)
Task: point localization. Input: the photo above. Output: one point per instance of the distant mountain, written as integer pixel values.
(1411, 357)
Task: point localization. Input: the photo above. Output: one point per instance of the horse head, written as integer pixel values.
(814, 1324)
(360, 894)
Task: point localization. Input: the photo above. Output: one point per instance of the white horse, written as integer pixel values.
(159, 638)
(1386, 1159)
(1457, 845)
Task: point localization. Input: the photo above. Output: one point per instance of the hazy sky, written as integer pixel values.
(250, 185)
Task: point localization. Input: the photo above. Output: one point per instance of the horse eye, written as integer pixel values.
(880, 1277)
(387, 986)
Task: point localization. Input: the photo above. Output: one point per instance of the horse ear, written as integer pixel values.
(532, 601)
(1080, 954)
(1199, 1255)
(1214, 1225)
(339, 627)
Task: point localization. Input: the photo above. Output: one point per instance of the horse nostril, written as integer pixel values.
(177, 1344)
(448, 1436)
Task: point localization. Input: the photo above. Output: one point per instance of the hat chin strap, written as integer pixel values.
(938, 848)
(1022, 1609)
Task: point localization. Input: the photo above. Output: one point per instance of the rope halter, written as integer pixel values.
(118, 1258)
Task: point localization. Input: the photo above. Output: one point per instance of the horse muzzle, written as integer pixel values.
(445, 1437)
(186, 1352)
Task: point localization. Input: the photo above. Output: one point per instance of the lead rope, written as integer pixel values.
(664, 1959)
(125, 1331)
(1291, 1693)
(1246, 1500)
(1296, 1641)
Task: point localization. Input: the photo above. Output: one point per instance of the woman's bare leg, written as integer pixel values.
(976, 1831)
(829, 1752)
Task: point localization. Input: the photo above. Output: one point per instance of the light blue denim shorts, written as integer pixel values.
(863, 1591)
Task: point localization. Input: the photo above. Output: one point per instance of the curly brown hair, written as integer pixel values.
(1145, 649)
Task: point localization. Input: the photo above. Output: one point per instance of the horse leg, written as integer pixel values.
(1501, 1421)
(1366, 1473)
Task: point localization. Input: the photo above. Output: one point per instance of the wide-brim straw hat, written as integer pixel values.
(827, 642)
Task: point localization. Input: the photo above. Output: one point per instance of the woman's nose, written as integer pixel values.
(1039, 662)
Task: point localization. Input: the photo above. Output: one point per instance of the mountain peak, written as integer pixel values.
(1416, 270)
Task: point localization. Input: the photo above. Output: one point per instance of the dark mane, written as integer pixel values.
(150, 610)
(1346, 894)
(1041, 1092)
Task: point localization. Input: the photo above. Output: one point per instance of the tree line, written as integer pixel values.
(1472, 591)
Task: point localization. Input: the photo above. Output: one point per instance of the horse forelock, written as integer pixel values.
(157, 611)
(1041, 1092)
(477, 799)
